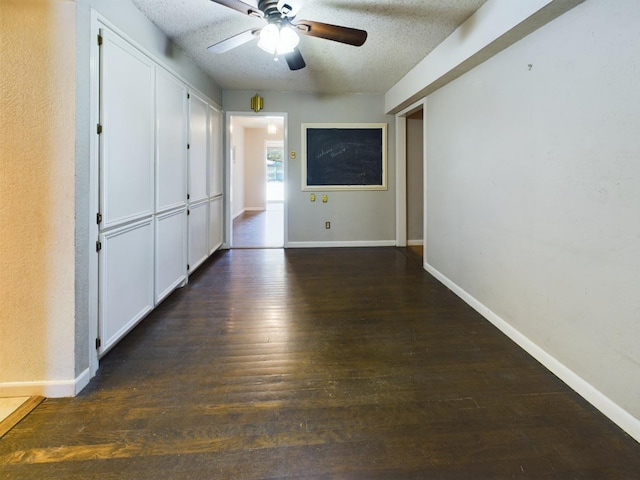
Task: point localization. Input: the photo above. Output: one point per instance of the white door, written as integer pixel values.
(198, 174)
(197, 149)
(171, 184)
(198, 234)
(126, 142)
(126, 188)
(171, 142)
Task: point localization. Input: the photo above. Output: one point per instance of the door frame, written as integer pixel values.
(228, 214)
(401, 173)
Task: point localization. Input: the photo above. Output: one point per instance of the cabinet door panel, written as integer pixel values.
(197, 148)
(215, 152)
(171, 142)
(215, 224)
(198, 234)
(126, 279)
(171, 252)
(126, 142)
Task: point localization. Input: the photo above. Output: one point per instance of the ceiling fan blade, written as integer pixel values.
(241, 7)
(294, 60)
(235, 41)
(350, 36)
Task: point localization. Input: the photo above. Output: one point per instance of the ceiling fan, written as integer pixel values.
(280, 35)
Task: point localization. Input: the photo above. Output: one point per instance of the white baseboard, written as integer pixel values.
(239, 213)
(608, 407)
(415, 243)
(357, 243)
(49, 389)
(255, 209)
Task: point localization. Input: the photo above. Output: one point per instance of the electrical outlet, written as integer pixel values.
(327, 225)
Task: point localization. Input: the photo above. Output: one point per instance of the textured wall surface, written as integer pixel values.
(37, 135)
(533, 188)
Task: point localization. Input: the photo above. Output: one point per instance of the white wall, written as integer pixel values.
(255, 170)
(415, 178)
(355, 216)
(534, 195)
(237, 176)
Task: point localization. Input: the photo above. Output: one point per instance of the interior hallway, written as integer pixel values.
(317, 364)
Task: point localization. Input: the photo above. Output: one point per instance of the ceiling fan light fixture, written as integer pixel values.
(278, 41)
(288, 40)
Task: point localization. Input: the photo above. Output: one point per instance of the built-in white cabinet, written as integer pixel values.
(160, 161)
(170, 252)
(126, 279)
(198, 234)
(215, 152)
(171, 141)
(215, 223)
(198, 154)
(127, 126)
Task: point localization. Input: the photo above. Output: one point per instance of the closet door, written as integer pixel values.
(215, 152)
(126, 141)
(215, 180)
(171, 142)
(197, 149)
(198, 235)
(198, 199)
(215, 223)
(126, 279)
(126, 184)
(171, 184)
(171, 251)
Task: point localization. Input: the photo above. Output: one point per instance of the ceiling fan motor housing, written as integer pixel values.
(271, 11)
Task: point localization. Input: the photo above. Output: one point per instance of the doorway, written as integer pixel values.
(257, 180)
(411, 179)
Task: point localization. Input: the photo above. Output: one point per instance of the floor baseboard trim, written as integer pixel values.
(49, 389)
(604, 404)
(343, 244)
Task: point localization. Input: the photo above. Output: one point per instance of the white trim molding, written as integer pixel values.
(46, 388)
(608, 407)
(344, 244)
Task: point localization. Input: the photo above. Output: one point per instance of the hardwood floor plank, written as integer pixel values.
(318, 364)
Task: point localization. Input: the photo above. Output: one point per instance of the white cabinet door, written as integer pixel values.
(215, 224)
(197, 148)
(126, 279)
(171, 142)
(215, 152)
(198, 233)
(171, 252)
(126, 141)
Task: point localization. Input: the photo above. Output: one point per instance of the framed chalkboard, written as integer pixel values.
(350, 156)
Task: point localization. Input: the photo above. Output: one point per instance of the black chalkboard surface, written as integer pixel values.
(345, 156)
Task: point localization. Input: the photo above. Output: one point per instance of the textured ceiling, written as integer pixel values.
(401, 33)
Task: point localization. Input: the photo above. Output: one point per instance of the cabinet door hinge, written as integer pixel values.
(188, 212)
(188, 267)
(98, 246)
(98, 343)
(188, 95)
(188, 196)
(99, 39)
(98, 218)
(99, 129)
(188, 146)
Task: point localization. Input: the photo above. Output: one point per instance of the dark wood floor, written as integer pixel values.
(318, 364)
(260, 229)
